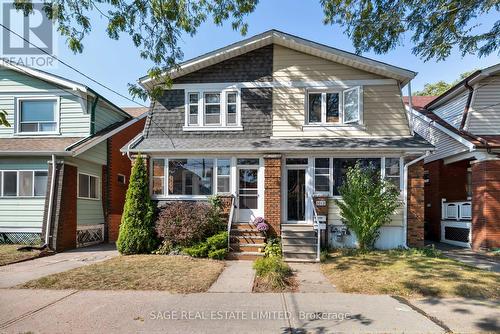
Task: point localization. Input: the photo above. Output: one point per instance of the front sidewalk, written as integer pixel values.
(22, 272)
(149, 311)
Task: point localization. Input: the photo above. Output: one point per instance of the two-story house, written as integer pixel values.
(59, 122)
(462, 176)
(275, 120)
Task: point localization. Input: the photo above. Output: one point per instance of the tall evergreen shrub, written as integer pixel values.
(137, 234)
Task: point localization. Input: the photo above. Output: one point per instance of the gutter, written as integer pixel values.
(51, 199)
(405, 195)
(467, 105)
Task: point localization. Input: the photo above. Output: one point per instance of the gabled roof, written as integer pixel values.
(460, 86)
(292, 42)
(59, 81)
(418, 102)
(135, 111)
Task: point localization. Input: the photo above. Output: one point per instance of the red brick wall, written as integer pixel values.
(118, 163)
(66, 230)
(445, 181)
(415, 209)
(486, 204)
(272, 193)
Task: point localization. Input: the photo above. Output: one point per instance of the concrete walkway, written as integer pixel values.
(237, 276)
(469, 257)
(18, 273)
(310, 278)
(159, 312)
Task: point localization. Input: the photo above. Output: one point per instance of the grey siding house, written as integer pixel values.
(272, 123)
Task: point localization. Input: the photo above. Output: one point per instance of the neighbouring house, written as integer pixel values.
(272, 123)
(58, 121)
(462, 176)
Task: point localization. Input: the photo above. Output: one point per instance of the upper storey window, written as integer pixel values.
(213, 110)
(37, 116)
(334, 107)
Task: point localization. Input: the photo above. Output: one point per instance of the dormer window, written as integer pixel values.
(330, 108)
(212, 110)
(37, 116)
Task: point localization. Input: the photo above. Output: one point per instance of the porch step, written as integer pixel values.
(298, 240)
(293, 256)
(243, 226)
(246, 232)
(244, 255)
(236, 247)
(299, 234)
(308, 248)
(242, 239)
(296, 227)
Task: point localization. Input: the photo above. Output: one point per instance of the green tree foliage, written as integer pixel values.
(436, 26)
(438, 88)
(137, 235)
(3, 118)
(367, 204)
(155, 26)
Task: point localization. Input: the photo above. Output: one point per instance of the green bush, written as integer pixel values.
(215, 247)
(137, 234)
(164, 249)
(218, 254)
(273, 248)
(367, 203)
(274, 271)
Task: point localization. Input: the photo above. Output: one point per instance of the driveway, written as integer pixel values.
(70, 311)
(469, 257)
(18, 273)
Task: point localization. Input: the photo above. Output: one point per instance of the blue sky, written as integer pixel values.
(116, 63)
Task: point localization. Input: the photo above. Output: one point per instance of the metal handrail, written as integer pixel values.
(229, 223)
(316, 222)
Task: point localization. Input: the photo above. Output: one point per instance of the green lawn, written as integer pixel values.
(178, 274)
(409, 274)
(10, 254)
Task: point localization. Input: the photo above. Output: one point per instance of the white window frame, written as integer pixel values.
(216, 173)
(221, 108)
(17, 171)
(188, 109)
(383, 172)
(222, 126)
(330, 176)
(124, 179)
(358, 119)
(17, 127)
(341, 122)
(98, 189)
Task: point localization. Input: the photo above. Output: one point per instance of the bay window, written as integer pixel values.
(212, 110)
(23, 183)
(334, 107)
(37, 116)
(190, 176)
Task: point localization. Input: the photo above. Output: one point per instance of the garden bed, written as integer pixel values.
(272, 274)
(411, 273)
(177, 274)
(9, 254)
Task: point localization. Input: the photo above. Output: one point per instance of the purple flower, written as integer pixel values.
(262, 227)
(258, 220)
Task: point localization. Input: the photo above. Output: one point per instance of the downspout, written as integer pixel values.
(467, 105)
(51, 199)
(405, 195)
(92, 115)
(410, 107)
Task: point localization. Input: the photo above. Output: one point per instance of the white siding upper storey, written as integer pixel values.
(36, 107)
(484, 112)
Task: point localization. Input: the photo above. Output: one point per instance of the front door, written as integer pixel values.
(248, 196)
(296, 195)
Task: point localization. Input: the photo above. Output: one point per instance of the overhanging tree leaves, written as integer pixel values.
(154, 26)
(367, 204)
(436, 25)
(3, 118)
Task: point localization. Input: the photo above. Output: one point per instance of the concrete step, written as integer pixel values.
(298, 241)
(236, 247)
(299, 260)
(242, 239)
(296, 227)
(300, 248)
(299, 256)
(297, 234)
(244, 255)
